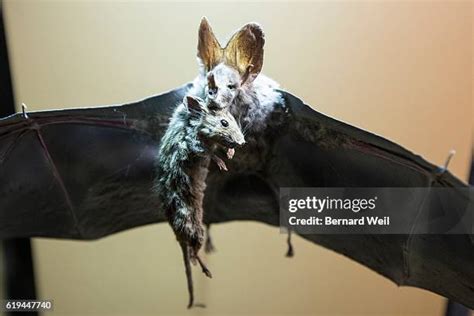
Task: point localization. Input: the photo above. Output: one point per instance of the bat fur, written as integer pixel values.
(236, 84)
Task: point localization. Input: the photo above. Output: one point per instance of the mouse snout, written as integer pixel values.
(240, 141)
(236, 142)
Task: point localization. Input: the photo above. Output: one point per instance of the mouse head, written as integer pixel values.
(215, 125)
(229, 69)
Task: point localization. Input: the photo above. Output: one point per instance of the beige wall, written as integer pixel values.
(399, 69)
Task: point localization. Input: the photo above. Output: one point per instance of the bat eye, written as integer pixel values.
(212, 91)
(231, 86)
(224, 123)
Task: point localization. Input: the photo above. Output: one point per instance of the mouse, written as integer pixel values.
(195, 131)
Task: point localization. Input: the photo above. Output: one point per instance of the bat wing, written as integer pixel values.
(87, 173)
(82, 173)
(308, 149)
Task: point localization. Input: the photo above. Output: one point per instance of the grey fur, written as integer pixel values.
(251, 102)
(251, 99)
(192, 137)
(186, 149)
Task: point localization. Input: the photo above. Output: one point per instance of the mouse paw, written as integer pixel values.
(220, 163)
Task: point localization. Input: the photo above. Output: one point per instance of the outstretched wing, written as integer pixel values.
(308, 149)
(87, 173)
(82, 173)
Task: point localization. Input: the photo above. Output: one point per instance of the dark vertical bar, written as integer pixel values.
(453, 308)
(7, 105)
(18, 270)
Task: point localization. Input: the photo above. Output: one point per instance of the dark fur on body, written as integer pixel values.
(185, 152)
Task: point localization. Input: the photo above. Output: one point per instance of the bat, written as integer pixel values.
(88, 173)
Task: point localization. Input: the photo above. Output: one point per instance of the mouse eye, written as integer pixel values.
(231, 86)
(224, 123)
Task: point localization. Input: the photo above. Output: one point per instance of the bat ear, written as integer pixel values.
(194, 104)
(209, 50)
(244, 51)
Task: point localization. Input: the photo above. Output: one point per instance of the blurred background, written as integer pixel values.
(400, 69)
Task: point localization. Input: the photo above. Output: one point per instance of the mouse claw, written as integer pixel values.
(207, 272)
(220, 163)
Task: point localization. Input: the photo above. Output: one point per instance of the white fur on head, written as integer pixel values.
(230, 77)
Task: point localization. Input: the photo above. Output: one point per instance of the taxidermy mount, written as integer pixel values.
(195, 131)
(229, 76)
(94, 169)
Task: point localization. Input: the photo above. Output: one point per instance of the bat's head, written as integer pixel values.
(233, 67)
(215, 125)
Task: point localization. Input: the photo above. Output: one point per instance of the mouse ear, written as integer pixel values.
(244, 51)
(194, 104)
(209, 50)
